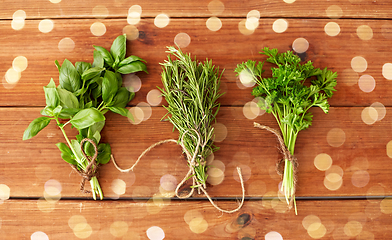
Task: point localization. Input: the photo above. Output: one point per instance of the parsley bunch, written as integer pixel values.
(288, 97)
(191, 89)
(85, 93)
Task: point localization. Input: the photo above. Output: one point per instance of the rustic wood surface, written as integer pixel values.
(344, 178)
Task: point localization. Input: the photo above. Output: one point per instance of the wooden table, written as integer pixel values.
(344, 177)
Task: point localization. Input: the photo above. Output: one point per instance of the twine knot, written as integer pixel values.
(91, 169)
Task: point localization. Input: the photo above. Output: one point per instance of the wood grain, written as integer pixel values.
(360, 160)
(177, 220)
(336, 53)
(204, 8)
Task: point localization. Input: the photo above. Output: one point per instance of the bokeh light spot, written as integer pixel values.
(252, 23)
(273, 235)
(20, 63)
(161, 20)
(76, 219)
(45, 26)
(19, 14)
(98, 29)
(332, 29)
(369, 115)
(133, 18)
(360, 178)
(132, 82)
(309, 220)
(389, 149)
(154, 97)
(118, 228)
(246, 78)
(386, 206)
(55, 1)
(131, 32)
(53, 187)
(323, 161)
(168, 182)
(336, 137)
(137, 115)
(300, 45)
(66, 45)
(316, 230)
(12, 76)
(198, 225)
(191, 214)
(367, 83)
(119, 186)
(365, 32)
(216, 7)
(253, 13)
(135, 8)
(387, 71)
(147, 110)
(182, 40)
(39, 236)
(243, 29)
(289, 1)
(82, 230)
(334, 11)
(246, 173)
(215, 176)
(352, 228)
(251, 110)
(220, 131)
(155, 233)
(358, 64)
(18, 23)
(280, 25)
(4, 192)
(100, 12)
(214, 24)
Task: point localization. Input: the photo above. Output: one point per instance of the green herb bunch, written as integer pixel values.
(85, 93)
(288, 97)
(191, 89)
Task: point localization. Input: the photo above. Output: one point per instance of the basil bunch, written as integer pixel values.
(85, 93)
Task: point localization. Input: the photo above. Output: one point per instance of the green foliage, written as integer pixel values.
(288, 96)
(85, 93)
(191, 89)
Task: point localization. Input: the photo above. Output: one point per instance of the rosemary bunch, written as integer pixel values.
(191, 89)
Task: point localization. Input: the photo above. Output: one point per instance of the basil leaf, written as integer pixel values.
(47, 111)
(57, 110)
(119, 110)
(69, 77)
(106, 55)
(89, 149)
(109, 86)
(51, 95)
(104, 153)
(35, 127)
(76, 146)
(130, 59)
(97, 91)
(66, 153)
(119, 79)
(122, 98)
(67, 113)
(136, 66)
(67, 99)
(57, 65)
(118, 48)
(87, 117)
(98, 59)
(81, 67)
(92, 73)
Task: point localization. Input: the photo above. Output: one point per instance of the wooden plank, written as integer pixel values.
(227, 47)
(205, 8)
(194, 220)
(357, 151)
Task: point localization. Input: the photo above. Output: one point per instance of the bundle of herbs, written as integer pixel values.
(191, 89)
(84, 94)
(288, 96)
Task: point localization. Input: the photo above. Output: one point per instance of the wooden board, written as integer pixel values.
(205, 8)
(358, 154)
(42, 49)
(156, 219)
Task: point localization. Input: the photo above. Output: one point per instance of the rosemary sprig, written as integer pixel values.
(191, 89)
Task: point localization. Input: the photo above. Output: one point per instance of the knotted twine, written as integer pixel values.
(191, 173)
(286, 155)
(92, 167)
